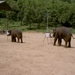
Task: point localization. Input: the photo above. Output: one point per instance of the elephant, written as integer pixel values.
(15, 34)
(62, 33)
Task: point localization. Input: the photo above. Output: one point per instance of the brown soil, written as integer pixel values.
(36, 56)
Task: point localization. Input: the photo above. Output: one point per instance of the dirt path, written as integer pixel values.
(35, 57)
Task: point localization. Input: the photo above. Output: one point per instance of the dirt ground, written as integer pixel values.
(36, 56)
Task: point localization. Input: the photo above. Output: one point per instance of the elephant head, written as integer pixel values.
(8, 32)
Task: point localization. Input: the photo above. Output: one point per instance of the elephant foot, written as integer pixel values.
(22, 42)
(54, 44)
(69, 46)
(59, 45)
(12, 41)
(66, 46)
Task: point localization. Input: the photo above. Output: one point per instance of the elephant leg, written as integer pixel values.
(14, 39)
(65, 43)
(69, 43)
(21, 40)
(55, 39)
(59, 41)
(18, 40)
(11, 39)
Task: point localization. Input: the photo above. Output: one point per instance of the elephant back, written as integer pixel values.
(16, 33)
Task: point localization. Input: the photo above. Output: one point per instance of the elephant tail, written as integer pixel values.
(72, 36)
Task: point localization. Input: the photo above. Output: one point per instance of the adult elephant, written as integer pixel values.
(15, 34)
(62, 33)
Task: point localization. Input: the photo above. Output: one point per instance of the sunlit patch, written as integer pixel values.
(7, 33)
(47, 35)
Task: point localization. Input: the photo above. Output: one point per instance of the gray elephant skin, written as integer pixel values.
(64, 33)
(15, 34)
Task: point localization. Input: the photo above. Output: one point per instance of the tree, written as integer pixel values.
(72, 15)
(61, 12)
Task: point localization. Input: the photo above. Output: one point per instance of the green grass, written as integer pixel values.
(34, 27)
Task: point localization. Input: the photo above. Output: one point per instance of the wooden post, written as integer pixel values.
(47, 22)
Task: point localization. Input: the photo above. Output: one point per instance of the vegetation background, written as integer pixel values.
(32, 14)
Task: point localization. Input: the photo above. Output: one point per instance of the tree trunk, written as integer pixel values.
(38, 25)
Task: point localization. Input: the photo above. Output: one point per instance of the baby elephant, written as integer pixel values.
(15, 34)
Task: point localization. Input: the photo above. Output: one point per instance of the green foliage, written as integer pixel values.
(72, 15)
(29, 12)
(66, 1)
